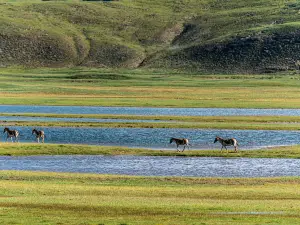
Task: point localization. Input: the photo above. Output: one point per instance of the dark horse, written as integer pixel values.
(227, 142)
(184, 142)
(39, 134)
(11, 134)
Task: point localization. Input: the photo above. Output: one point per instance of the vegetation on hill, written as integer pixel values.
(198, 35)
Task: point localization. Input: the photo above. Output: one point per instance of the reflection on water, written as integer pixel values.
(156, 166)
(158, 138)
(145, 110)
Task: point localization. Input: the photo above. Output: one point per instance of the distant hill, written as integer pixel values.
(227, 36)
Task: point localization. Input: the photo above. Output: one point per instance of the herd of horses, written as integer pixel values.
(224, 143)
(39, 134)
(14, 134)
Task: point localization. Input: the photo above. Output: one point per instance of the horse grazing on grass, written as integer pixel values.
(227, 142)
(39, 134)
(11, 134)
(184, 142)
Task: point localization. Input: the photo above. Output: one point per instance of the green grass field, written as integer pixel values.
(24, 149)
(193, 122)
(62, 198)
(98, 87)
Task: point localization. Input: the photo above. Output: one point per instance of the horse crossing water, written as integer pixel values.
(227, 142)
(183, 141)
(39, 134)
(12, 134)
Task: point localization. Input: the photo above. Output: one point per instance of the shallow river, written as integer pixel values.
(145, 110)
(156, 166)
(92, 120)
(158, 138)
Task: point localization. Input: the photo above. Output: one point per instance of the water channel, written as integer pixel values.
(143, 137)
(156, 166)
(158, 138)
(154, 138)
(147, 111)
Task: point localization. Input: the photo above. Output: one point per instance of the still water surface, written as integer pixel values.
(156, 166)
(92, 120)
(146, 111)
(158, 138)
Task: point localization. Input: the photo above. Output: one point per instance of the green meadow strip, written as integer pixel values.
(23, 149)
(265, 119)
(146, 88)
(201, 122)
(72, 198)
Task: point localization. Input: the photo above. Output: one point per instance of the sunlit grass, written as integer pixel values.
(50, 198)
(147, 89)
(193, 122)
(23, 149)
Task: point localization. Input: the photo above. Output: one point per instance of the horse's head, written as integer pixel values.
(171, 140)
(5, 129)
(216, 139)
(33, 131)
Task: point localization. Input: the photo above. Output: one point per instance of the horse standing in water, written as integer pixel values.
(11, 134)
(227, 142)
(39, 134)
(184, 142)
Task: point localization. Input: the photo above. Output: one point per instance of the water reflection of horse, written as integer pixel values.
(11, 134)
(39, 134)
(183, 141)
(227, 142)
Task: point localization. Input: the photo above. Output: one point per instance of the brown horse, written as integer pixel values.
(184, 142)
(11, 134)
(227, 142)
(39, 134)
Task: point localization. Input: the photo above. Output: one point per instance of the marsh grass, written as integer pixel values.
(64, 198)
(23, 149)
(146, 88)
(204, 122)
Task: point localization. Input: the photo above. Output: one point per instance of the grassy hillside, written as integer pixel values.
(198, 35)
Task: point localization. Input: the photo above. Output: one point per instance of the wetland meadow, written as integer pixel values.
(107, 157)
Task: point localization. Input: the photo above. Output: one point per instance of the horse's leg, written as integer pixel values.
(11, 138)
(38, 140)
(226, 149)
(43, 139)
(183, 148)
(235, 148)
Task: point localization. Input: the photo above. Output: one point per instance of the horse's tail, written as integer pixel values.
(235, 141)
(186, 141)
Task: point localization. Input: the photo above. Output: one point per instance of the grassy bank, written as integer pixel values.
(61, 198)
(203, 122)
(18, 149)
(144, 88)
